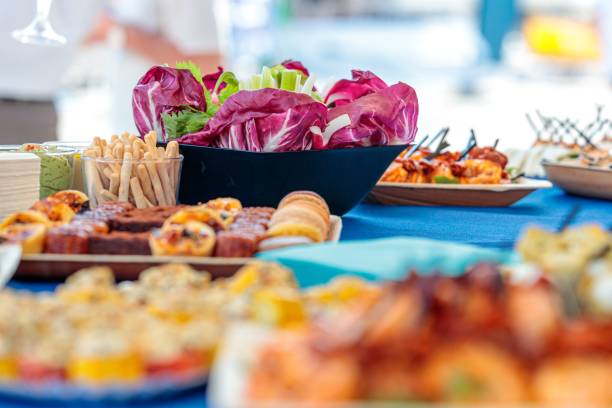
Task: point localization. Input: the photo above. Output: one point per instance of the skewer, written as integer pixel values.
(496, 143)
(414, 148)
(441, 146)
(569, 218)
(472, 143)
(582, 135)
(444, 131)
(537, 131)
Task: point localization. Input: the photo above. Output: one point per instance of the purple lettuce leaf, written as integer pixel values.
(210, 80)
(164, 90)
(296, 65)
(265, 120)
(347, 90)
(386, 117)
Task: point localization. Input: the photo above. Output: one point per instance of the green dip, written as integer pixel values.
(56, 167)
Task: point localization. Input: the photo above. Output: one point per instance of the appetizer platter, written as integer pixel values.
(560, 138)
(262, 137)
(90, 340)
(62, 234)
(514, 335)
(586, 171)
(476, 176)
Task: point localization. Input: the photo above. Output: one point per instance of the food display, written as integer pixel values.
(65, 224)
(93, 332)
(475, 338)
(474, 165)
(130, 169)
(559, 140)
(579, 260)
(278, 110)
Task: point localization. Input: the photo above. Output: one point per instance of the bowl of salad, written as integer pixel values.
(259, 138)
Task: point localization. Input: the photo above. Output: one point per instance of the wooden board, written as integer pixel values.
(470, 195)
(128, 267)
(581, 180)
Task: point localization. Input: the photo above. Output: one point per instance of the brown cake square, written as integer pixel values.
(142, 219)
(120, 243)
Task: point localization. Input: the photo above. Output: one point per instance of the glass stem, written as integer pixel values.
(43, 7)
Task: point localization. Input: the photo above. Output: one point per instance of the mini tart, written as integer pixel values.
(227, 204)
(25, 217)
(308, 196)
(31, 237)
(190, 239)
(56, 211)
(201, 214)
(74, 199)
(173, 276)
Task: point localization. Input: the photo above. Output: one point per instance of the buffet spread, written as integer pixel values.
(292, 153)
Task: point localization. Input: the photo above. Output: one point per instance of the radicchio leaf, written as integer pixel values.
(164, 90)
(268, 120)
(346, 90)
(296, 65)
(386, 117)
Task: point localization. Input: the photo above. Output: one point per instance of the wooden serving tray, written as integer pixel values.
(128, 267)
(470, 195)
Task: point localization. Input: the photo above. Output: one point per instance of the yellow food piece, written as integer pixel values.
(280, 307)
(8, 368)
(245, 278)
(296, 229)
(109, 369)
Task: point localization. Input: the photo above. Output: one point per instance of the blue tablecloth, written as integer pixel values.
(490, 227)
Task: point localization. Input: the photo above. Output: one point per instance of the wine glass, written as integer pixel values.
(40, 32)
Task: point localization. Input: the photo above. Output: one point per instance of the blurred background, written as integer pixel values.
(478, 64)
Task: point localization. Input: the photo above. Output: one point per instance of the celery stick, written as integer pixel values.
(288, 80)
(256, 82)
(267, 79)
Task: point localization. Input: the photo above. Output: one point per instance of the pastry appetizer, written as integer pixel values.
(31, 237)
(201, 214)
(56, 211)
(192, 238)
(76, 200)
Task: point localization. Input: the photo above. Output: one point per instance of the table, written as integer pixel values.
(490, 227)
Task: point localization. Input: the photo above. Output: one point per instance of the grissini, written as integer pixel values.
(157, 187)
(124, 177)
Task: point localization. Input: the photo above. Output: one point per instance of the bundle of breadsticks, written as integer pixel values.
(128, 168)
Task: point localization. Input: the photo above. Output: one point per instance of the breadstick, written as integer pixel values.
(162, 171)
(107, 195)
(124, 177)
(157, 187)
(118, 151)
(105, 175)
(145, 182)
(139, 198)
(172, 152)
(151, 143)
(114, 138)
(93, 180)
(114, 183)
(136, 151)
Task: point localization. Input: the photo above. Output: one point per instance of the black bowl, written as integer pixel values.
(343, 176)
